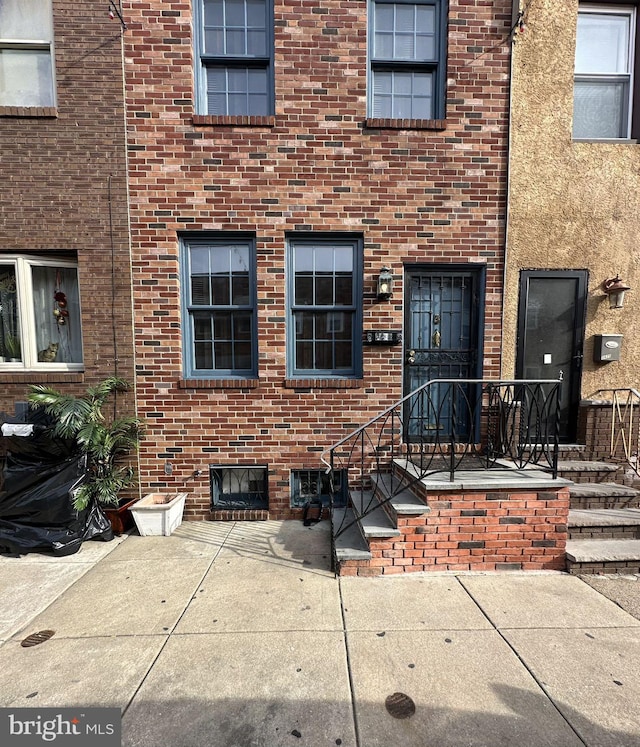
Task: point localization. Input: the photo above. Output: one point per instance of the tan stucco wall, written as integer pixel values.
(572, 205)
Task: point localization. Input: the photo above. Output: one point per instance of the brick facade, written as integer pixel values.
(63, 171)
(504, 530)
(433, 193)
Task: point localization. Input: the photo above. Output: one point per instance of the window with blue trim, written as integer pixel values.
(407, 56)
(220, 307)
(235, 50)
(325, 312)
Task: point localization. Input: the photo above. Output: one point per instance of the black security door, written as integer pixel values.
(442, 338)
(551, 323)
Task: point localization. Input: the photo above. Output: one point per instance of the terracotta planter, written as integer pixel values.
(120, 516)
(158, 513)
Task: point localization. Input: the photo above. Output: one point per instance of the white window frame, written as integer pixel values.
(23, 268)
(34, 45)
(626, 10)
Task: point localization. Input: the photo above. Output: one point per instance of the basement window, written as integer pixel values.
(308, 484)
(239, 487)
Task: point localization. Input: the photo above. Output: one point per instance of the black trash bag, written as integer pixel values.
(40, 493)
(36, 501)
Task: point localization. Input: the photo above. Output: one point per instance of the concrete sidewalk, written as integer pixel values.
(238, 635)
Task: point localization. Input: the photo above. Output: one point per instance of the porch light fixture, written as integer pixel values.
(615, 288)
(385, 284)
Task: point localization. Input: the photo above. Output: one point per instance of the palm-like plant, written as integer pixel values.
(106, 443)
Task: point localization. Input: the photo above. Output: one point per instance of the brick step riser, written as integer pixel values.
(594, 502)
(586, 477)
(619, 567)
(621, 532)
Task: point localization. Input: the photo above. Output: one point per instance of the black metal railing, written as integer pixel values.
(449, 426)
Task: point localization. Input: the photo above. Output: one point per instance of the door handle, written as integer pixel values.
(411, 356)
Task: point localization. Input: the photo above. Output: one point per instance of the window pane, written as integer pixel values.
(344, 289)
(236, 43)
(214, 41)
(240, 289)
(26, 19)
(600, 109)
(223, 356)
(220, 295)
(10, 342)
(222, 326)
(26, 78)
(203, 355)
(403, 95)
(602, 44)
(56, 308)
(234, 13)
(242, 357)
(242, 325)
(213, 12)
(304, 356)
(324, 290)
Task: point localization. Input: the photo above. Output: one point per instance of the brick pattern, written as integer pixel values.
(605, 532)
(414, 195)
(604, 502)
(63, 172)
(478, 531)
(618, 566)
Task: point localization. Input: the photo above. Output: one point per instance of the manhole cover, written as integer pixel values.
(400, 705)
(35, 638)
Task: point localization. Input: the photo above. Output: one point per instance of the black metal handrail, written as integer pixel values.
(449, 426)
(624, 425)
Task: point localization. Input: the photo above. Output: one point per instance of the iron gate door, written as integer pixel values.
(442, 338)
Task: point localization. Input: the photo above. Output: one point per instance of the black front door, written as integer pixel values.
(442, 338)
(551, 321)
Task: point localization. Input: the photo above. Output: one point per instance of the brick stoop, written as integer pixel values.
(604, 529)
(581, 471)
(505, 521)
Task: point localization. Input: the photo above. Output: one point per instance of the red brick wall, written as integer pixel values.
(416, 196)
(503, 530)
(59, 170)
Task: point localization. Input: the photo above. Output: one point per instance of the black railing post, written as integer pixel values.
(452, 454)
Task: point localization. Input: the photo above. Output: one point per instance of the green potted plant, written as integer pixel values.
(106, 442)
(12, 347)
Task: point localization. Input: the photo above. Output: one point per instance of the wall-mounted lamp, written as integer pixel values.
(615, 288)
(385, 284)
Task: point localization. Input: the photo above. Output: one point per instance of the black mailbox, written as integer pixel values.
(606, 348)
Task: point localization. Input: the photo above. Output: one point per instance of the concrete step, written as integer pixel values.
(349, 544)
(603, 495)
(604, 523)
(401, 501)
(586, 471)
(374, 520)
(603, 556)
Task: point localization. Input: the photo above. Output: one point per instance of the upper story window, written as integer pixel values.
(26, 55)
(39, 314)
(235, 50)
(220, 307)
(407, 55)
(325, 307)
(603, 82)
